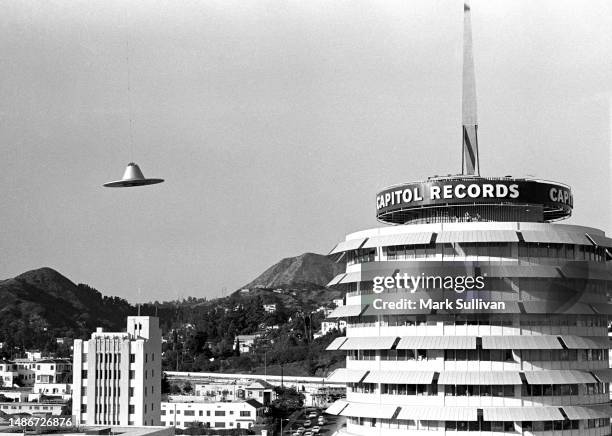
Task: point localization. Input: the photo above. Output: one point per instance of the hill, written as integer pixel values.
(39, 305)
(307, 271)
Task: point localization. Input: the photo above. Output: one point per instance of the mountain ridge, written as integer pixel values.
(309, 270)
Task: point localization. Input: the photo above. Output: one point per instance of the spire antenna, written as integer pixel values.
(470, 159)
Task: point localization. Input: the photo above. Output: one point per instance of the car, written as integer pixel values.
(312, 415)
(308, 433)
(321, 420)
(301, 430)
(316, 429)
(307, 423)
(297, 433)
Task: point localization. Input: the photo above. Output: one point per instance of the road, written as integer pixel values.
(332, 423)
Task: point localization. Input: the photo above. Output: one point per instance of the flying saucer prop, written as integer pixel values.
(132, 177)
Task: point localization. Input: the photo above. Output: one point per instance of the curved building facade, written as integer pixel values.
(537, 363)
(474, 312)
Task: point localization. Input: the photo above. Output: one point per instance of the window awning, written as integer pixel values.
(351, 277)
(586, 342)
(343, 375)
(599, 240)
(546, 307)
(555, 237)
(336, 279)
(603, 309)
(399, 239)
(400, 377)
(437, 343)
(438, 413)
(369, 343)
(588, 412)
(337, 407)
(343, 311)
(521, 343)
(604, 375)
(522, 414)
(335, 344)
(368, 410)
(479, 378)
(478, 236)
(351, 244)
(558, 377)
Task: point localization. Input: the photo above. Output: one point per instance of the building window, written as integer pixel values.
(189, 412)
(219, 412)
(131, 392)
(132, 374)
(245, 413)
(83, 408)
(131, 408)
(132, 358)
(163, 412)
(208, 413)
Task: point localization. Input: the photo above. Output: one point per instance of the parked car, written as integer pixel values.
(307, 423)
(316, 429)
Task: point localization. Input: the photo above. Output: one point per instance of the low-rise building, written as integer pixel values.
(331, 325)
(34, 355)
(26, 371)
(246, 342)
(185, 411)
(9, 376)
(236, 390)
(35, 409)
(53, 371)
(270, 308)
(15, 394)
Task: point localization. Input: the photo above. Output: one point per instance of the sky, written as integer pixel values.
(274, 124)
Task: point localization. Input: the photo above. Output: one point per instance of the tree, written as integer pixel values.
(287, 401)
(165, 385)
(187, 388)
(237, 347)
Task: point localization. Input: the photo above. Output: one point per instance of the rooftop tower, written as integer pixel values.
(471, 164)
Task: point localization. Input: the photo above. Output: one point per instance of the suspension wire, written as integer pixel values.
(129, 81)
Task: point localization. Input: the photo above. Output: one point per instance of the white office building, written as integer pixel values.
(117, 376)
